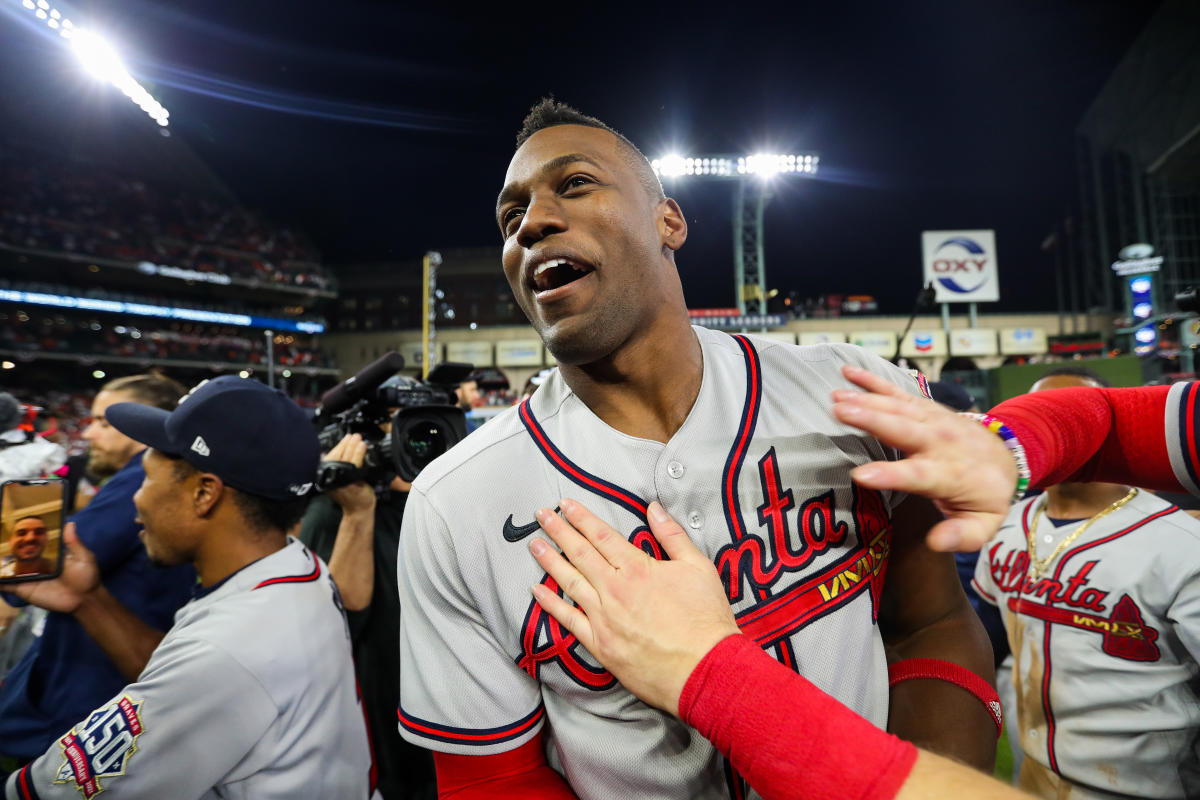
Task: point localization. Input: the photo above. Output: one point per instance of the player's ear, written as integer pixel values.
(206, 494)
(671, 223)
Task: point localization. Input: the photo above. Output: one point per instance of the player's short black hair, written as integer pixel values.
(1078, 372)
(262, 514)
(152, 389)
(548, 112)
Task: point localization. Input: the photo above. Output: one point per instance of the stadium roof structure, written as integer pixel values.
(1150, 107)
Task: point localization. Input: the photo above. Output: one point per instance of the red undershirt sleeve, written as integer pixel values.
(514, 775)
(786, 737)
(1143, 436)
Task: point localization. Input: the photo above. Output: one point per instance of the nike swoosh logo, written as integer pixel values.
(515, 533)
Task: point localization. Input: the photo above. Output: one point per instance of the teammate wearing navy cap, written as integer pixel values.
(251, 693)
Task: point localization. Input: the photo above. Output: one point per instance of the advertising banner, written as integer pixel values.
(924, 344)
(973, 342)
(881, 343)
(477, 353)
(961, 265)
(1023, 341)
(519, 353)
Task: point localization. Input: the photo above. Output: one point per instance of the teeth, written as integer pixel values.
(545, 265)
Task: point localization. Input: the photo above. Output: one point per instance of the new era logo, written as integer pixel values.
(200, 446)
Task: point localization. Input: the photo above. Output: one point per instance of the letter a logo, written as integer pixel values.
(200, 446)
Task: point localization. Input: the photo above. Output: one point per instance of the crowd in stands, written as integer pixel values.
(175, 341)
(188, 301)
(94, 212)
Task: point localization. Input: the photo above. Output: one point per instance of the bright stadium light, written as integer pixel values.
(761, 165)
(99, 58)
(751, 177)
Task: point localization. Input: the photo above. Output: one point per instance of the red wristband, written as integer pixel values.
(784, 735)
(960, 676)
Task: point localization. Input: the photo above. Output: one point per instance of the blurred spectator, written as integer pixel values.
(66, 673)
(23, 454)
(93, 211)
(181, 341)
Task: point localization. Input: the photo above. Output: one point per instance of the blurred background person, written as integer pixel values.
(64, 673)
(1099, 592)
(24, 454)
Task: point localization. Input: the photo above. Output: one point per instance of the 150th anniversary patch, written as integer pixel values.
(101, 747)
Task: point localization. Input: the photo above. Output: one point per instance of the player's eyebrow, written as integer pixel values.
(553, 165)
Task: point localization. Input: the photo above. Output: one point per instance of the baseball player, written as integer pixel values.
(1101, 604)
(732, 435)
(251, 693)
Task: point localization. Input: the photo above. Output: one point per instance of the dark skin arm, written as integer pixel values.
(925, 614)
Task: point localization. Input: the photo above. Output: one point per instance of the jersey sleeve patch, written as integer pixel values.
(101, 746)
(470, 736)
(922, 383)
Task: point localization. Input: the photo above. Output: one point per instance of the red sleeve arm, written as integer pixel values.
(517, 774)
(1143, 436)
(783, 735)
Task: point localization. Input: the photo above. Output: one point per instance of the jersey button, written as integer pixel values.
(695, 519)
(675, 469)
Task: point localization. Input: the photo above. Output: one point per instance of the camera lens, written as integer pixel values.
(423, 442)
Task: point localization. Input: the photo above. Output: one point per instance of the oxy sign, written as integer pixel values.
(961, 265)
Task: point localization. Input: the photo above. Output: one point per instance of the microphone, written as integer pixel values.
(351, 390)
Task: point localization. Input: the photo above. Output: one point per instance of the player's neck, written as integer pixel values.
(1082, 500)
(648, 387)
(232, 547)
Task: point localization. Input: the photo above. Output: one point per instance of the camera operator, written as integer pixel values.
(356, 529)
(380, 429)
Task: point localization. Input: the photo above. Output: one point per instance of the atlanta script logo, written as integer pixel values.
(755, 564)
(1074, 603)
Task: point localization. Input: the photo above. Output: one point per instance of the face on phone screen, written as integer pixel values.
(31, 520)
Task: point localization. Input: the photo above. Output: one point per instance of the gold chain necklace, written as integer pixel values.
(1036, 567)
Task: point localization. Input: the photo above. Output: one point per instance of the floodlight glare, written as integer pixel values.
(669, 166)
(101, 61)
(98, 57)
(28, 4)
(42, 4)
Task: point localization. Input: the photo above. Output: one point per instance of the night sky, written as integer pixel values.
(392, 124)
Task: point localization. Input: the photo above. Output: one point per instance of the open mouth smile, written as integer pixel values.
(555, 273)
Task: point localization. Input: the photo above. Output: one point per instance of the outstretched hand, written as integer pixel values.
(648, 622)
(957, 463)
(79, 577)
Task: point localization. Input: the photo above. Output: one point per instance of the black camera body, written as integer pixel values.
(424, 415)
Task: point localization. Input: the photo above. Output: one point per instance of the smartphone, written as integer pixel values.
(32, 514)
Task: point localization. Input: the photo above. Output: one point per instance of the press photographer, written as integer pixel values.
(379, 429)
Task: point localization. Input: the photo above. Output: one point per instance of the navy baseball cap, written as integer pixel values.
(254, 438)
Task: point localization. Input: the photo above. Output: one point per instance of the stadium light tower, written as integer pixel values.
(752, 176)
(98, 57)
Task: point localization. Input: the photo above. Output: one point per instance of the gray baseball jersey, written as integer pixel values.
(757, 475)
(250, 695)
(1105, 642)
